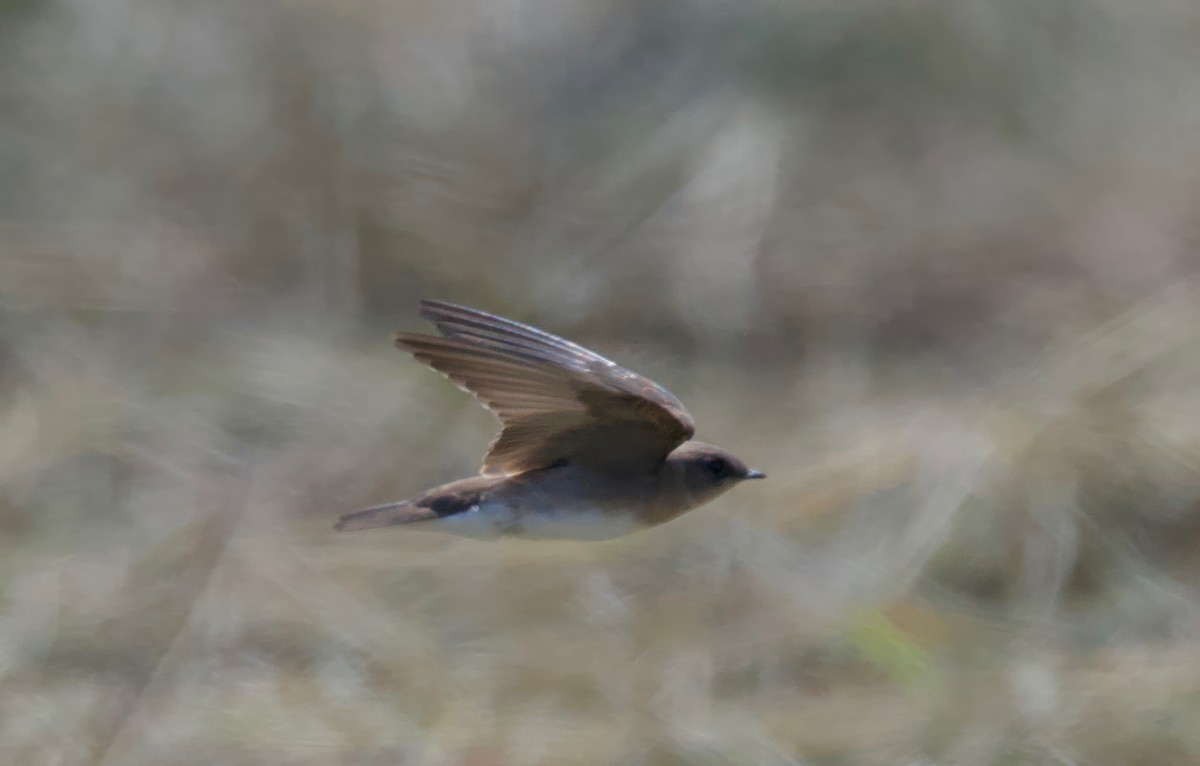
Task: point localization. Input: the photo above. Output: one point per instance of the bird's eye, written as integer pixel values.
(716, 466)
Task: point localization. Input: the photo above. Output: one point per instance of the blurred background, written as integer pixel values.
(930, 265)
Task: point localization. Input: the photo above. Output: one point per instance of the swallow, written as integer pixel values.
(587, 450)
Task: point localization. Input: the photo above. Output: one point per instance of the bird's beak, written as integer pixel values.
(755, 475)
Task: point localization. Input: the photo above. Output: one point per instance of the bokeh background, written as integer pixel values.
(930, 265)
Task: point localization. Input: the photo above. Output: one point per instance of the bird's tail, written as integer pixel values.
(386, 515)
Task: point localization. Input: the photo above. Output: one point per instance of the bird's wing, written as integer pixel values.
(556, 400)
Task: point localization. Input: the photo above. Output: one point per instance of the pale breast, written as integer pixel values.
(576, 524)
(558, 504)
(489, 521)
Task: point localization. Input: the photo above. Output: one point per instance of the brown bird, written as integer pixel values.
(587, 450)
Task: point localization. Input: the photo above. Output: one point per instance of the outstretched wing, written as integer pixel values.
(557, 401)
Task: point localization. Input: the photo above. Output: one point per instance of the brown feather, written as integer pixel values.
(436, 503)
(557, 401)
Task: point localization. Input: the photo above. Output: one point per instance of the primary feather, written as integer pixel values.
(556, 400)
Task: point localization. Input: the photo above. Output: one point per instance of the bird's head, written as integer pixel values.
(708, 471)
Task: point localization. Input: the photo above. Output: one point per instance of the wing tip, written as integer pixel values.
(404, 340)
(447, 316)
(433, 309)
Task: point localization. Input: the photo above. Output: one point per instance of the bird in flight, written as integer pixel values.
(587, 450)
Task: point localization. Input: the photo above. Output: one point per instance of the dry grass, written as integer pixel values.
(931, 266)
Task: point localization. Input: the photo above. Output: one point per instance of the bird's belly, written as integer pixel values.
(490, 521)
(578, 524)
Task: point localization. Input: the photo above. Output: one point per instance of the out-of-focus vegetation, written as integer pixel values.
(931, 265)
